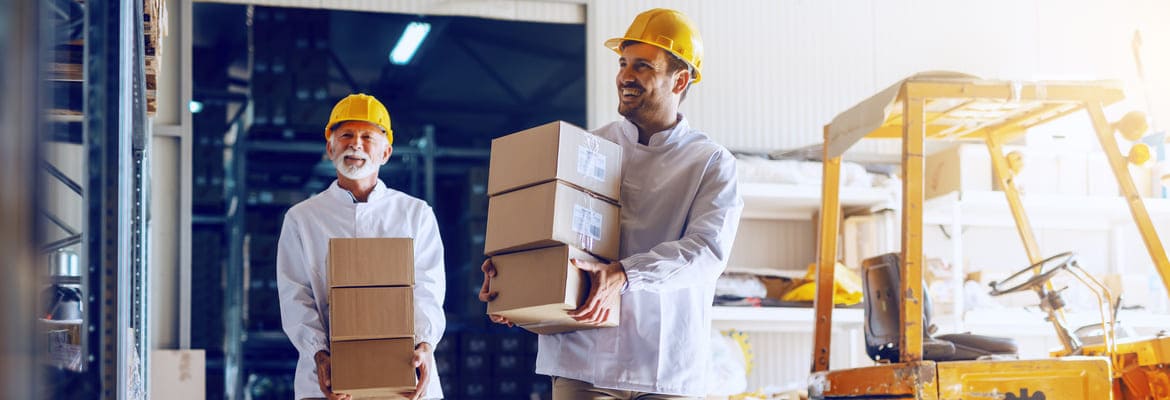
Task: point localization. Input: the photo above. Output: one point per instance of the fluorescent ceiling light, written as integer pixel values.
(408, 44)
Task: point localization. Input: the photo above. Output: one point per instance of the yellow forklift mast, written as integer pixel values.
(952, 106)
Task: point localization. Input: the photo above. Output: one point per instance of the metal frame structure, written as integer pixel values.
(956, 107)
(115, 347)
(235, 332)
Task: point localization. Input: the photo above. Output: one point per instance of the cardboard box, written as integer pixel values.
(63, 343)
(1049, 172)
(371, 262)
(371, 312)
(562, 325)
(177, 374)
(537, 289)
(549, 214)
(869, 235)
(557, 150)
(1041, 173)
(776, 287)
(966, 167)
(373, 368)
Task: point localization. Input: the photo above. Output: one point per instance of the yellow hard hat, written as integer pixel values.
(360, 107)
(669, 30)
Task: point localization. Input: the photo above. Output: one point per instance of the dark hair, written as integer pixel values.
(673, 64)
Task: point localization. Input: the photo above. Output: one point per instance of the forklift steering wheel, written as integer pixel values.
(1048, 267)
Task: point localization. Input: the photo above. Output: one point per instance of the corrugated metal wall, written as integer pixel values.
(782, 360)
(776, 71)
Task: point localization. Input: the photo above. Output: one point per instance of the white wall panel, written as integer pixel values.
(783, 359)
(775, 72)
(990, 39)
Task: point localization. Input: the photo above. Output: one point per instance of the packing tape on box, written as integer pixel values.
(590, 160)
(587, 224)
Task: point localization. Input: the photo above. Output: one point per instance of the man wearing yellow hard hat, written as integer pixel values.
(680, 212)
(358, 204)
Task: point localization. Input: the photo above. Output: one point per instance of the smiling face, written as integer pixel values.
(358, 149)
(648, 90)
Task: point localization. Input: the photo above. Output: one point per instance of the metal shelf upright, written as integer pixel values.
(116, 349)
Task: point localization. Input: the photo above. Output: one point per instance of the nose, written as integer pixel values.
(624, 76)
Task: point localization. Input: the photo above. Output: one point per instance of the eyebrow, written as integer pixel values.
(358, 130)
(636, 59)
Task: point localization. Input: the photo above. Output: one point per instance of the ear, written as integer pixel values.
(388, 152)
(329, 149)
(682, 78)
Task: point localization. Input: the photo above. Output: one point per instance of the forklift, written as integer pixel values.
(911, 362)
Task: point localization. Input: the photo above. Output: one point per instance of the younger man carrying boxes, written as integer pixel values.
(358, 205)
(680, 211)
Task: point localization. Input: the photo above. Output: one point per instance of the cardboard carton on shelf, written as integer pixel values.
(177, 374)
(965, 167)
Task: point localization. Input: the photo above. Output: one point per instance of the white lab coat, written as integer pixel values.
(680, 211)
(301, 272)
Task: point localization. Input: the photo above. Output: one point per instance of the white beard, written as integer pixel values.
(352, 172)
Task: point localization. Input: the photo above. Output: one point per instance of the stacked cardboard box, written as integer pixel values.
(553, 197)
(371, 318)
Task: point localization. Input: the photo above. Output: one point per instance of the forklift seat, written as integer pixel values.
(881, 280)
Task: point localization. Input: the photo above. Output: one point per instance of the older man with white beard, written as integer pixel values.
(356, 205)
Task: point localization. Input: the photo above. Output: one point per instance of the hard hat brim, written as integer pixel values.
(615, 44)
(389, 132)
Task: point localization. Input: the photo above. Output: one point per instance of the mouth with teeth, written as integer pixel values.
(352, 158)
(630, 92)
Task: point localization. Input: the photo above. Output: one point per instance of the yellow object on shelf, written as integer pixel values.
(846, 287)
(1139, 154)
(1132, 126)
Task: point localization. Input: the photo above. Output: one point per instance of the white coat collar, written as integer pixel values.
(659, 140)
(337, 192)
